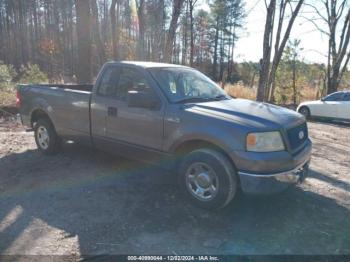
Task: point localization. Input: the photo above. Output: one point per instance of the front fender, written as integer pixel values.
(188, 138)
(226, 135)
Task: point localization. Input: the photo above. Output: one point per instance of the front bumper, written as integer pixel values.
(273, 183)
(267, 173)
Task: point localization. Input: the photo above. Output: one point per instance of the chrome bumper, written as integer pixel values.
(273, 183)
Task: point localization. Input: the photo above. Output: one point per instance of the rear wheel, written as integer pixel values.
(46, 138)
(208, 178)
(305, 112)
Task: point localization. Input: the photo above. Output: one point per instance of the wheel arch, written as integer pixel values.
(190, 145)
(305, 106)
(37, 114)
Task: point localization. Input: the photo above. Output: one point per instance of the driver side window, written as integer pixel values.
(117, 82)
(131, 79)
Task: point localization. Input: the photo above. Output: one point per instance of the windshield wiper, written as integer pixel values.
(220, 97)
(202, 99)
(193, 99)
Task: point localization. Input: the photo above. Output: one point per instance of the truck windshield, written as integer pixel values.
(186, 85)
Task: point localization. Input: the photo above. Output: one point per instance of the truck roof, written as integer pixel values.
(147, 64)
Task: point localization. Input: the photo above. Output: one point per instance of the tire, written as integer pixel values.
(46, 138)
(207, 178)
(305, 111)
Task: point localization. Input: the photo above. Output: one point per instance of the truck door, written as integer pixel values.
(101, 97)
(128, 126)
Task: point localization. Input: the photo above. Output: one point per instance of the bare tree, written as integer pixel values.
(140, 4)
(267, 70)
(216, 41)
(184, 27)
(84, 40)
(334, 13)
(96, 32)
(63, 37)
(114, 27)
(192, 4)
(176, 11)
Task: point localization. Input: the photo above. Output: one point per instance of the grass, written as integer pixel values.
(309, 93)
(240, 91)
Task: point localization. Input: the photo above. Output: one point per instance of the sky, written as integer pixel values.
(250, 44)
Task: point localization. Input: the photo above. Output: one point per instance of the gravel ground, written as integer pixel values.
(83, 202)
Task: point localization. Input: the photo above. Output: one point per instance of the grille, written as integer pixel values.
(293, 135)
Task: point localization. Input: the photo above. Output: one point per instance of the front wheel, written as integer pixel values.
(305, 112)
(208, 178)
(46, 138)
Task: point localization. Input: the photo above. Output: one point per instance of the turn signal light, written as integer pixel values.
(251, 140)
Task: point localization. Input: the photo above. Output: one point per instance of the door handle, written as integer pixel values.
(112, 111)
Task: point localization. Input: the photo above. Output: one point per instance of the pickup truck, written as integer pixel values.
(175, 117)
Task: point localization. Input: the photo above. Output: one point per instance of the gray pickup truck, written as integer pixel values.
(175, 117)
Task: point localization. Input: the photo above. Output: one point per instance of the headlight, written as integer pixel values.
(265, 142)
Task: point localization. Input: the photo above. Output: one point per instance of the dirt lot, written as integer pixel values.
(83, 202)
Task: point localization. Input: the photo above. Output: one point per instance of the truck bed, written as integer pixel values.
(68, 86)
(67, 106)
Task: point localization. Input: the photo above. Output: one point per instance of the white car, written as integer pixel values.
(334, 106)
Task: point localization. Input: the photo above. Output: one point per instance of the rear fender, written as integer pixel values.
(40, 106)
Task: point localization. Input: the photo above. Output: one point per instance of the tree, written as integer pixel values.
(248, 72)
(96, 32)
(293, 51)
(156, 16)
(204, 33)
(84, 40)
(219, 15)
(333, 14)
(184, 31)
(228, 16)
(52, 34)
(192, 4)
(267, 72)
(114, 27)
(288, 76)
(141, 22)
(170, 37)
(236, 17)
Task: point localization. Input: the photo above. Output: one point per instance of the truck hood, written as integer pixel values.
(250, 113)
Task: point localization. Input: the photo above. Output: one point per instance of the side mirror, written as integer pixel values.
(143, 99)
